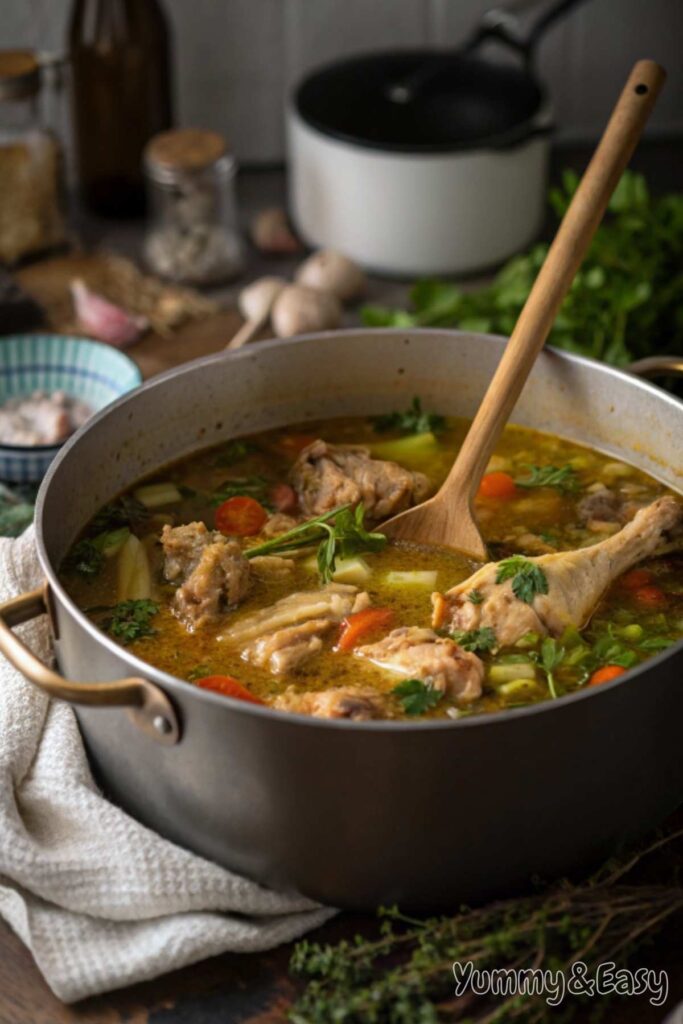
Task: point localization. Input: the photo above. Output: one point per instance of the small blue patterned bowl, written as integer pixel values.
(88, 370)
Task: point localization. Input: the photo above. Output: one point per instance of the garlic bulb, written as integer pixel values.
(298, 310)
(331, 271)
(256, 300)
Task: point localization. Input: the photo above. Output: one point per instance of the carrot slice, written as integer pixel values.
(604, 674)
(636, 578)
(241, 516)
(229, 687)
(284, 498)
(360, 625)
(497, 485)
(650, 596)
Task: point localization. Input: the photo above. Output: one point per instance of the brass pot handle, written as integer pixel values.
(658, 366)
(147, 704)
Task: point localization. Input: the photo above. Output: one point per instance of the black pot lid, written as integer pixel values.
(464, 102)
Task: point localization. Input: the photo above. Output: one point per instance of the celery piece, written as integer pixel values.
(528, 640)
(519, 688)
(508, 673)
(155, 495)
(633, 633)
(406, 450)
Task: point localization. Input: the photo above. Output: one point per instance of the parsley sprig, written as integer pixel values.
(130, 620)
(339, 533)
(563, 478)
(413, 421)
(528, 579)
(416, 697)
(475, 640)
(549, 659)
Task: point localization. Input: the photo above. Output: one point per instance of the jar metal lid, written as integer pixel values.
(184, 150)
(19, 74)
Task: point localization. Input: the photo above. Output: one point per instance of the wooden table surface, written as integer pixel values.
(256, 988)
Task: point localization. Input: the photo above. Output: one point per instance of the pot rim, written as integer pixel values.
(517, 134)
(172, 683)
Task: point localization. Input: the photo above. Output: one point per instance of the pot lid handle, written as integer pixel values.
(148, 706)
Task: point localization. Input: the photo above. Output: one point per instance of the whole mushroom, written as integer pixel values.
(330, 271)
(298, 310)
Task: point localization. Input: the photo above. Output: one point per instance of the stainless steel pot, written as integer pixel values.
(356, 814)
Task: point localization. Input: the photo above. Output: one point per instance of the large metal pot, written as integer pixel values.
(355, 814)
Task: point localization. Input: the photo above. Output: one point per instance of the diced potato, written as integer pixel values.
(134, 580)
(419, 578)
(508, 673)
(155, 495)
(406, 450)
(352, 570)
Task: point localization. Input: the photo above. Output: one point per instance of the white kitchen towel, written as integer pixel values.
(100, 900)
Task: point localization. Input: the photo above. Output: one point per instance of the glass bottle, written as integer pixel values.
(119, 51)
(192, 236)
(31, 165)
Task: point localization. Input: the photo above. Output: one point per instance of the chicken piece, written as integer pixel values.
(358, 703)
(285, 649)
(268, 566)
(438, 661)
(576, 581)
(328, 475)
(283, 636)
(211, 569)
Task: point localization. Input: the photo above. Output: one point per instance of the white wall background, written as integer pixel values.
(235, 60)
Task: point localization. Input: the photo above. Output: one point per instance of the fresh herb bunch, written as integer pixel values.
(413, 421)
(527, 578)
(339, 533)
(405, 974)
(562, 478)
(131, 620)
(416, 697)
(625, 301)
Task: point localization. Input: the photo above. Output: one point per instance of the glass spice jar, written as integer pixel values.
(192, 235)
(31, 166)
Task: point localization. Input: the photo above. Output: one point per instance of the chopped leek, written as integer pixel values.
(508, 673)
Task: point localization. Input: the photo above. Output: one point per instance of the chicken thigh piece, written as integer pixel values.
(573, 581)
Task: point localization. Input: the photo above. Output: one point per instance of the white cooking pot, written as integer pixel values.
(419, 162)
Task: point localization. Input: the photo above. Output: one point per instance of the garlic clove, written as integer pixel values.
(103, 320)
(256, 300)
(331, 271)
(271, 233)
(300, 310)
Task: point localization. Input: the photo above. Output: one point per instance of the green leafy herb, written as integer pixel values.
(528, 579)
(475, 640)
(563, 478)
(624, 303)
(253, 486)
(198, 672)
(475, 596)
(85, 558)
(130, 620)
(655, 643)
(549, 660)
(416, 697)
(412, 421)
(124, 511)
(234, 451)
(339, 533)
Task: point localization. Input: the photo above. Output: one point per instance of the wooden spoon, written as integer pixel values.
(448, 517)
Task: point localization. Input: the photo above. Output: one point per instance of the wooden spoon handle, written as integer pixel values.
(556, 275)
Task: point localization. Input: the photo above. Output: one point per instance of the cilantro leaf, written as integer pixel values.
(563, 478)
(85, 558)
(412, 421)
(549, 660)
(475, 640)
(528, 579)
(475, 596)
(416, 697)
(130, 620)
(124, 511)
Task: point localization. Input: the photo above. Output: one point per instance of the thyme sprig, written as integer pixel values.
(405, 974)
